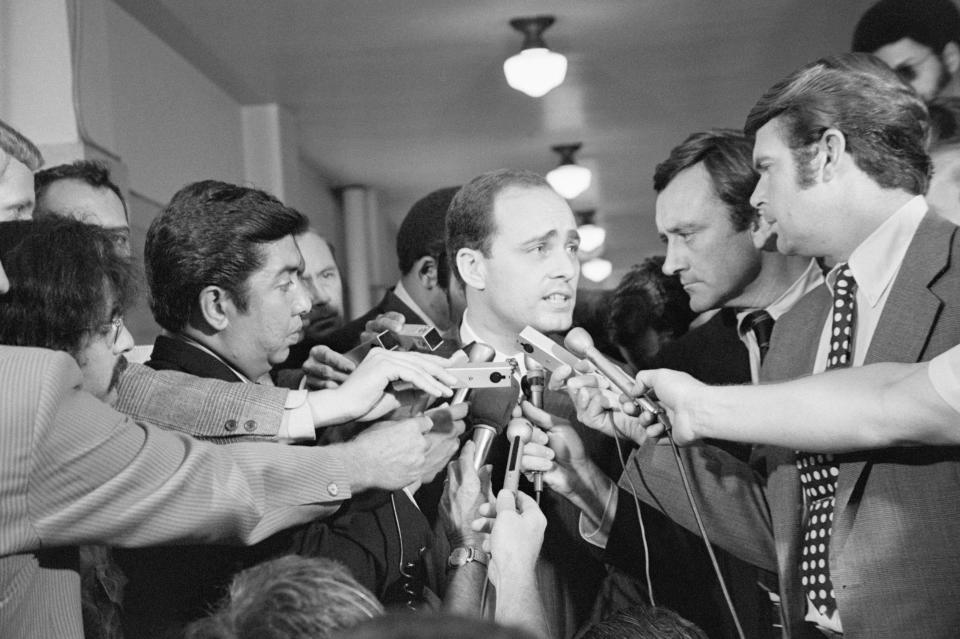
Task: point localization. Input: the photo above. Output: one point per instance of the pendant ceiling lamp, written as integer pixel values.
(597, 269)
(592, 235)
(569, 179)
(536, 69)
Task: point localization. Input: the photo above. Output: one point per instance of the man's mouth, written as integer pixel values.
(558, 299)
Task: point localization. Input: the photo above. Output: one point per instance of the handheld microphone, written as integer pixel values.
(478, 352)
(519, 432)
(535, 381)
(490, 410)
(580, 343)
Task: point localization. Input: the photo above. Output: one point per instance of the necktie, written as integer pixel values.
(761, 323)
(818, 472)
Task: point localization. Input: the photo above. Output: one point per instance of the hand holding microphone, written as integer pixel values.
(580, 343)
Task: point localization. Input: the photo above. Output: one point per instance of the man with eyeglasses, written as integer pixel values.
(919, 39)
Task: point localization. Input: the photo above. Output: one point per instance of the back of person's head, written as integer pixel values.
(647, 299)
(91, 172)
(210, 235)
(644, 622)
(932, 23)
(17, 146)
(291, 597)
(470, 221)
(885, 124)
(422, 231)
(405, 625)
(62, 275)
(727, 155)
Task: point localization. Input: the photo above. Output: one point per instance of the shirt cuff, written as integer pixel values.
(297, 422)
(944, 374)
(600, 535)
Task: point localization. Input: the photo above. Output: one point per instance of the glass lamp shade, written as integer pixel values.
(569, 180)
(535, 71)
(596, 270)
(592, 237)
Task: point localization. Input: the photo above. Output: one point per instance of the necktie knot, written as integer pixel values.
(760, 323)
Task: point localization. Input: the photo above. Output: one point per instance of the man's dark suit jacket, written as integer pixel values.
(894, 555)
(680, 567)
(170, 587)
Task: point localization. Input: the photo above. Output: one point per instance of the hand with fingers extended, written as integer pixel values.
(388, 455)
(363, 395)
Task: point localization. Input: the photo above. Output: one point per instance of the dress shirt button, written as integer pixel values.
(250, 426)
(230, 425)
(333, 489)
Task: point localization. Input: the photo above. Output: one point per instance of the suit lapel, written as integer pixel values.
(902, 334)
(793, 344)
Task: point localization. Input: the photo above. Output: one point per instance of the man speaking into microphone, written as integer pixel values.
(512, 244)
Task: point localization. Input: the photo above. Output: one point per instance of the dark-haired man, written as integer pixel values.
(83, 190)
(420, 296)
(919, 39)
(840, 147)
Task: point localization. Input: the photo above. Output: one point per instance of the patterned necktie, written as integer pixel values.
(818, 472)
(761, 323)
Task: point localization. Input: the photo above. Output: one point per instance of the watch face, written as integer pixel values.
(459, 556)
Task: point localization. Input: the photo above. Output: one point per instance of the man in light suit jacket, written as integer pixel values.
(840, 146)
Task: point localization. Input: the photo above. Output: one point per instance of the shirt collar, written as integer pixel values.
(240, 376)
(811, 278)
(469, 336)
(405, 297)
(876, 261)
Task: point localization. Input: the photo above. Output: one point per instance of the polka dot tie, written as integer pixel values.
(818, 472)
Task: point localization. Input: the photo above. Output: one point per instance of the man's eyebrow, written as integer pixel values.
(549, 235)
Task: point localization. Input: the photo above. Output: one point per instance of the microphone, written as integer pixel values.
(519, 432)
(478, 352)
(578, 340)
(490, 410)
(535, 384)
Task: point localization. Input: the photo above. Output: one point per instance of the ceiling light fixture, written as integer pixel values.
(592, 235)
(536, 69)
(597, 269)
(569, 179)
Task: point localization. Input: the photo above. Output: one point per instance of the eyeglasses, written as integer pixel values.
(115, 326)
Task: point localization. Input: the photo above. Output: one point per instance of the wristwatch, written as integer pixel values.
(463, 555)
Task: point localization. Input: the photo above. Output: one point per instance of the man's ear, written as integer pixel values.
(951, 57)
(832, 148)
(216, 307)
(762, 234)
(426, 269)
(472, 267)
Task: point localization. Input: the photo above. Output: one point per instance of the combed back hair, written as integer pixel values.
(884, 122)
(91, 172)
(422, 231)
(291, 597)
(727, 155)
(932, 23)
(63, 274)
(646, 298)
(411, 625)
(210, 234)
(470, 221)
(644, 622)
(16, 145)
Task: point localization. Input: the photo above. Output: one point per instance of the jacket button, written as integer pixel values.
(333, 489)
(250, 426)
(230, 425)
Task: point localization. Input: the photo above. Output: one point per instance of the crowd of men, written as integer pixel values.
(274, 470)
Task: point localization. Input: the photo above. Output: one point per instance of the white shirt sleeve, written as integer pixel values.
(944, 374)
(297, 422)
(601, 534)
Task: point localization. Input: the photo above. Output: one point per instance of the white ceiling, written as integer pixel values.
(408, 95)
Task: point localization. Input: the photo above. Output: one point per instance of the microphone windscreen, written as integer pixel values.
(493, 407)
